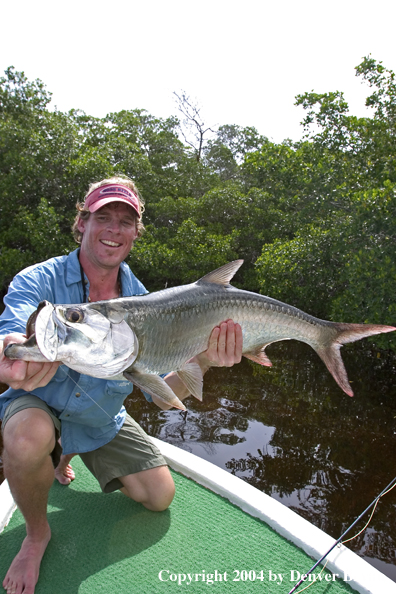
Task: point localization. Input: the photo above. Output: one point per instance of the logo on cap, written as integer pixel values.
(116, 190)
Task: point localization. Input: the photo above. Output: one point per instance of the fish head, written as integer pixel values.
(92, 339)
(86, 339)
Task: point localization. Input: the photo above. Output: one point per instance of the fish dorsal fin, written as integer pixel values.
(222, 275)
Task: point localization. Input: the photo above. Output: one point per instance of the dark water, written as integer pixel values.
(292, 433)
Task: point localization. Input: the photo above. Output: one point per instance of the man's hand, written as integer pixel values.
(25, 375)
(224, 350)
(225, 347)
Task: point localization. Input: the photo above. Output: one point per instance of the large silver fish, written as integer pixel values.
(144, 336)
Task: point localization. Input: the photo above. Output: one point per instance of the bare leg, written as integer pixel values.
(29, 438)
(154, 488)
(64, 473)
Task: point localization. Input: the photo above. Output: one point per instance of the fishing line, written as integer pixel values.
(86, 393)
(86, 300)
(388, 488)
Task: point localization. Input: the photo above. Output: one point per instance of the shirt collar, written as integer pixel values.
(73, 274)
(126, 280)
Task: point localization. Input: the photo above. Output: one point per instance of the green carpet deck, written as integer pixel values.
(104, 544)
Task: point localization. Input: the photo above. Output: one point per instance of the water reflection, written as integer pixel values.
(292, 433)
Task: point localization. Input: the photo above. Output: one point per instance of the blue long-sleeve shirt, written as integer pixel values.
(91, 410)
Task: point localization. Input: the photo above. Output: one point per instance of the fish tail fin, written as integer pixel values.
(331, 356)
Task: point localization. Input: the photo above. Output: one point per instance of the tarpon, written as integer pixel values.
(146, 336)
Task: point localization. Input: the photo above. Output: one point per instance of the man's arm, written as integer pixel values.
(224, 350)
(26, 290)
(25, 375)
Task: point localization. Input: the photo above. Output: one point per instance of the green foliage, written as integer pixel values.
(342, 269)
(369, 274)
(339, 262)
(304, 271)
(19, 97)
(192, 252)
(365, 147)
(229, 148)
(241, 223)
(314, 221)
(31, 237)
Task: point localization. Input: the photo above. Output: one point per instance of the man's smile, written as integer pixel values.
(110, 243)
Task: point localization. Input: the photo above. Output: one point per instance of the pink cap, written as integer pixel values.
(111, 193)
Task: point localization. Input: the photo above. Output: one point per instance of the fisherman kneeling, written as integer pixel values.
(46, 399)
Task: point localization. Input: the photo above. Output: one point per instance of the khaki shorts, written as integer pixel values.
(129, 452)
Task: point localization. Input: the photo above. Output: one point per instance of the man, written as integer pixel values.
(46, 399)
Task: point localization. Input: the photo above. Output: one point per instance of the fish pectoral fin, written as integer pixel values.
(258, 356)
(155, 386)
(191, 376)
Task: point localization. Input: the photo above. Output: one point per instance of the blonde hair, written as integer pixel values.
(83, 213)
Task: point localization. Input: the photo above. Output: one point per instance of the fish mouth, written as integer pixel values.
(49, 331)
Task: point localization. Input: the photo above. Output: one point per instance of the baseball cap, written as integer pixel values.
(111, 193)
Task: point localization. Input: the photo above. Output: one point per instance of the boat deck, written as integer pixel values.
(107, 543)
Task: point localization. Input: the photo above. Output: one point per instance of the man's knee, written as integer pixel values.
(166, 492)
(29, 433)
(154, 488)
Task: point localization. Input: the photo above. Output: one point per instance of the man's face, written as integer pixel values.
(108, 234)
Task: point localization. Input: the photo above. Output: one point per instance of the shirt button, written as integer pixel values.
(78, 394)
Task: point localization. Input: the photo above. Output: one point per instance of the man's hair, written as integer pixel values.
(83, 213)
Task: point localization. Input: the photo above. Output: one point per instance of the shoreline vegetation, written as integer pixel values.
(314, 220)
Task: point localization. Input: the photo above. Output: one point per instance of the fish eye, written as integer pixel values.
(74, 315)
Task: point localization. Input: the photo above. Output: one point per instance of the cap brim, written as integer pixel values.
(104, 201)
